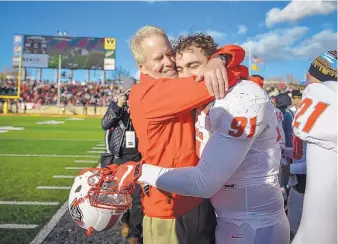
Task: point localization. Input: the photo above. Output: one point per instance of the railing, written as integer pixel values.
(36, 109)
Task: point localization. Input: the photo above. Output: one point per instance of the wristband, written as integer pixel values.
(223, 57)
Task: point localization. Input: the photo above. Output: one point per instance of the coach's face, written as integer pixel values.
(159, 57)
(190, 62)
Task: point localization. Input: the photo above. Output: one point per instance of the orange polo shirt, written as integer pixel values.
(161, 113)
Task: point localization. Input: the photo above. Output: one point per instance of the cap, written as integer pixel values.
(324, 67)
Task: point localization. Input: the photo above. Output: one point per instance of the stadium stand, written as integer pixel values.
(39, 96)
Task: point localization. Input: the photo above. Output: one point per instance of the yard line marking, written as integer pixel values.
(98, 148)
(101, 145)
(53, 187)
(75, 119)
(17, 226)
(64, 176)
(44, 232)
(95, 151)
(47, 155)
(46, 139)
(85, 161)
(75, 167)
(11, 128)
(28, 203)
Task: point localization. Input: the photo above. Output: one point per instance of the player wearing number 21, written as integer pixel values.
(316, 124)
(238, 168)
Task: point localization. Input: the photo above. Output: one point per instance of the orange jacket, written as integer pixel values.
(161, 113)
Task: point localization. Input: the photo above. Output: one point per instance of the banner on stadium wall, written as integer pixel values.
(75, 52)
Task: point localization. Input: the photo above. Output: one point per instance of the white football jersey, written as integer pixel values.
(316, 120)
(246, 112)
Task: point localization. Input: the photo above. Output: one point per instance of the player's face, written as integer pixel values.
(159, 58)
(311, 79)
(296, 101)
(190, 62)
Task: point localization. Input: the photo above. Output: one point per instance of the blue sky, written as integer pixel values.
(288, 35)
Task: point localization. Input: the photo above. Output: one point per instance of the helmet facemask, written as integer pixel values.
(104, 192)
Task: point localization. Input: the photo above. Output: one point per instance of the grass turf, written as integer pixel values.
(19, 176)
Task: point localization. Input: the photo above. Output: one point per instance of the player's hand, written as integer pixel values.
(215, 77)
(121, 100)
(126, 175)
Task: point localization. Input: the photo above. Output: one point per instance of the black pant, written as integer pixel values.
(134, 216)
(198, 225)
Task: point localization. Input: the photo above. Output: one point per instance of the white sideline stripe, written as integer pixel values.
(53, 187)
(95, 151)
(17, 226)
(47, 155)
(75, 167)
(46, 139)
(85, 161)
(99, 148)
(63, 176)
(28, 203)
(44, 232)
(101, 145)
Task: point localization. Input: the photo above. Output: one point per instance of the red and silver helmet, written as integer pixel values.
(94, 202)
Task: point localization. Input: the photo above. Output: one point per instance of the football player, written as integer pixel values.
(316, 124)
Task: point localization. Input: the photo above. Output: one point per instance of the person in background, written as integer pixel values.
(316, 124)
(283, 103)
(259, 80)
(296, 170)
(296, 99)
(122, 146)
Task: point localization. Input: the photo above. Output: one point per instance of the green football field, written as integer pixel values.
(35, 153)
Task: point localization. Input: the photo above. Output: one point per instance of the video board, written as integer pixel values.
(75, 52)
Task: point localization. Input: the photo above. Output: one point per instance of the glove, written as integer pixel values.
(126, 175)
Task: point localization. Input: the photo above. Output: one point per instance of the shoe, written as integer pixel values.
(124, 230)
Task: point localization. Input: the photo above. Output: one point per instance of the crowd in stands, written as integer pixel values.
(74, 93)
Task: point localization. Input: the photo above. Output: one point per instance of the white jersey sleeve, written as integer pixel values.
(316, 120)
(235, 122)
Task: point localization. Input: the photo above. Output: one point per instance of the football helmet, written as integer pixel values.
(94, 202)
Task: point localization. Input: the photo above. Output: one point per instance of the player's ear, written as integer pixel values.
(142, 69)
(308, 76)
